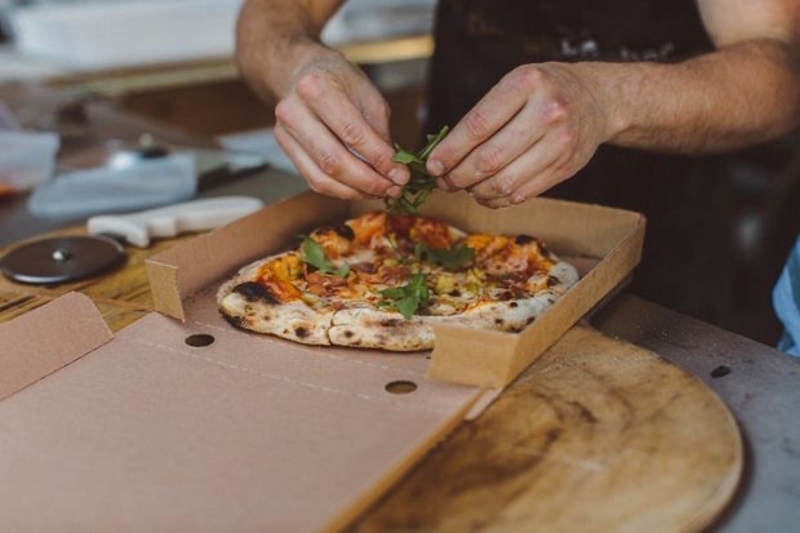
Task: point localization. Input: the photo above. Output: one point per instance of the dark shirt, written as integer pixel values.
(687, 200)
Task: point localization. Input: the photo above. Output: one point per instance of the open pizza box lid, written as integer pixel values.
(192, 424)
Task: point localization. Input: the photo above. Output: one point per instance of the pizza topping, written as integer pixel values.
(409, 298)
(314, 255)
(416, 191)
(368, 228)
(449, 258)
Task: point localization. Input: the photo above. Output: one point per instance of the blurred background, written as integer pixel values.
(171, 59)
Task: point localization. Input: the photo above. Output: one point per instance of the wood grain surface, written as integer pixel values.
(597, 435)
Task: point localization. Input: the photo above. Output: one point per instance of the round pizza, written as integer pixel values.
(381, 280)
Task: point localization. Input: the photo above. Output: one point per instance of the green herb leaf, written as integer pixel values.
(409, 298)
(449, 258)
(416, 191)
(313, 254)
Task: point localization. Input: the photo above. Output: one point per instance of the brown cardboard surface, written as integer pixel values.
(186, 269)
(273, 436)
(44, 340)
(607, 240)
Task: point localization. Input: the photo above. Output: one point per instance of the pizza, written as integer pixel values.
(382, 280)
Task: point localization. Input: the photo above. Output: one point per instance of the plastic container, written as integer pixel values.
(148, 183)
(26, 159)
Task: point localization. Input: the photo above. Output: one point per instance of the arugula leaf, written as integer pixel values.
(449, 258)
(409, 298)
(416, 191)
(313, 254)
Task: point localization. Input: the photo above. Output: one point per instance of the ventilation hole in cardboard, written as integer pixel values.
(401, 387)
(198, 340)
(720, 372)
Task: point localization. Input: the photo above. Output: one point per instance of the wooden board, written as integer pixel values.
(597, 435)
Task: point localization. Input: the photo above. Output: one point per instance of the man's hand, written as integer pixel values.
(537, 127)
(334, 126)
(331, 121)
(542, 123)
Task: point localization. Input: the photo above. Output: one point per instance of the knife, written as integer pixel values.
(196, 215)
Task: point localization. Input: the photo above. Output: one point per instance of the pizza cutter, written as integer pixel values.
(62, 259)
(65, 259)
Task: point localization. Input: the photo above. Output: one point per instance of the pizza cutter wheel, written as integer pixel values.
(62, 259)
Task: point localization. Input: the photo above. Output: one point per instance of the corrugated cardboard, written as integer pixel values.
(604, 243)
(153, 430)
(42, 341)
(148, 432)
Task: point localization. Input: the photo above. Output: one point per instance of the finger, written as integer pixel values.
(489, 159)
(545, 180)
(317, 180)
(348, 123)
(328, 153)
(548, 151)
(491, 113)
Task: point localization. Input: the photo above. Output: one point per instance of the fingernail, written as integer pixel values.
(442, 184)
(398, 176)
(435, 167)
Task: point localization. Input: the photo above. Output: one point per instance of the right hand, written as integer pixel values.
(333, 124)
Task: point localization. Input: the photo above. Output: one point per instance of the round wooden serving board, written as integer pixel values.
(597, 435)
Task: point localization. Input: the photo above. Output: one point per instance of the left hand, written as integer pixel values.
(537, 127)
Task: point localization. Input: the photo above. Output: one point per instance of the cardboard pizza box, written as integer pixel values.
(605, 244)
(182, 422)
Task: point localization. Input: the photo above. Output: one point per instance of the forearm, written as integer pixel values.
(736, 96)
(275, 38)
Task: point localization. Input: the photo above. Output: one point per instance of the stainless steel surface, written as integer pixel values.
(761, 388)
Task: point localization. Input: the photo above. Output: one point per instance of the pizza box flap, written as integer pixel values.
(44, 340)
(605, 243)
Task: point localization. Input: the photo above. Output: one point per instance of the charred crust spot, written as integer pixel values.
(348, 334)
(255, 292)
(523, 239)
(584, 413)
(552, 281)
(343, 230)
(551, 300)
(531, 320)
(517, 329)
(513, 304)
(390, 322)
(301, 332)
(235, 321)
(499, 321)
(455, 293)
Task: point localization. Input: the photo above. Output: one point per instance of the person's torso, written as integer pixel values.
(612, 30)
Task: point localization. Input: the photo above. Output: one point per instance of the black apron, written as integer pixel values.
(687, 199)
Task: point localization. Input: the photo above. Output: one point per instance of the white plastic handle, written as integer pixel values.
(196, 215)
